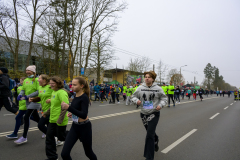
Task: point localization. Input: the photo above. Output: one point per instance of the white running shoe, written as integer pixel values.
(59, 143)
(179, 102)
(118, 102)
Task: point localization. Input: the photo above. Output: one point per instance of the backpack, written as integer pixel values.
(117, 90)
(11, 84)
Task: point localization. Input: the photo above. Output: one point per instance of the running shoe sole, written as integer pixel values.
(21, 142)
(12, 137)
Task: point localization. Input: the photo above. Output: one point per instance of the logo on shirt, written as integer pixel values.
(43, 91)
(29, 82)
(53, 96)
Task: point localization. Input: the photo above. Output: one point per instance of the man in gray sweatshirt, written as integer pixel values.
(151, 99)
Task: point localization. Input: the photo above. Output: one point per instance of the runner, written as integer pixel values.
(229, 93)
(58, 119)
(194, 94)
(177, 94)
(165, 88)
(182, 93)
(102, 93)
(152, 98)
(117, 92)
(124, 92)
(21, 113)
(5, 92)
(170, 94)
(201, 91)
(96, 91)
(129, 94)
(189, 92)
(107, 91)
(30, 85)
(44, 93)
(81, 127)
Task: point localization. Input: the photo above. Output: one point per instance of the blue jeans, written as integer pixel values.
(107, 95)
(18, 120)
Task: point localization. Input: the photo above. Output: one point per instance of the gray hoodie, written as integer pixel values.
(147, 94)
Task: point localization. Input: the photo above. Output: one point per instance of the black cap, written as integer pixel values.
(163, 83)
(4, 70)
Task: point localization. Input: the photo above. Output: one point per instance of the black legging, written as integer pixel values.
(84, 134)
(102, 96)
(170, 96)
(117, 96)
(150, 123)
(33, 114)
(42, 124)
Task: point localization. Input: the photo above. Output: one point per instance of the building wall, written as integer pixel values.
(121, 77)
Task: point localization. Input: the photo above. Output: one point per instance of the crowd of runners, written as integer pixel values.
(58, 101)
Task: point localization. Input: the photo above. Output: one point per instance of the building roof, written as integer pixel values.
(121, 70)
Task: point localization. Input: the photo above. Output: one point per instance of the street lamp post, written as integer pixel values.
(181, 73)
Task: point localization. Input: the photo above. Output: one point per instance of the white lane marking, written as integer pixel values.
(214, 115)
(231, 104)
(92, 118)
(9, 115)
(108, 105)
(70, 122)
(226, 107)
(166, 150)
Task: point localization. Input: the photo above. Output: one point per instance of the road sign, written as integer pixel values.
(82, 71)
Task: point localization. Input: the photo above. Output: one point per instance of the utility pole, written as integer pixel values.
(116, 75)
(194, 80)
(153, 67)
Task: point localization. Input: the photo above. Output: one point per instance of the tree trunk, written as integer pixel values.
(64, 36)
(17, 40)
(89, 48)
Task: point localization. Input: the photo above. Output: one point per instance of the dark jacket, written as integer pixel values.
(107, 89)
(4, 86)
(177, 91)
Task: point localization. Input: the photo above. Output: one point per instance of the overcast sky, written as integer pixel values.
(183, 32)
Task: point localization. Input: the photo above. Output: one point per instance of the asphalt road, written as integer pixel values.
(193, 130)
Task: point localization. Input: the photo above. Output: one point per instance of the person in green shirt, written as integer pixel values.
(194, 93)
(165, 88)
(124, 92)
(170, 93)
(30, 85)
(58, 119)
(44, 93)
(21, 113)
(129, 94)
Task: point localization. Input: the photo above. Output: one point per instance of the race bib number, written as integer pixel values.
(201, 92)
(148, 104)
(74, 118)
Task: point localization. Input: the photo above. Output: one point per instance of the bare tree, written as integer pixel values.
(78, 11)
(139, 64)
(39, 8)
(10, 30)
(102, 54)
(103, 17)
(175, 77)
(162, 68)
